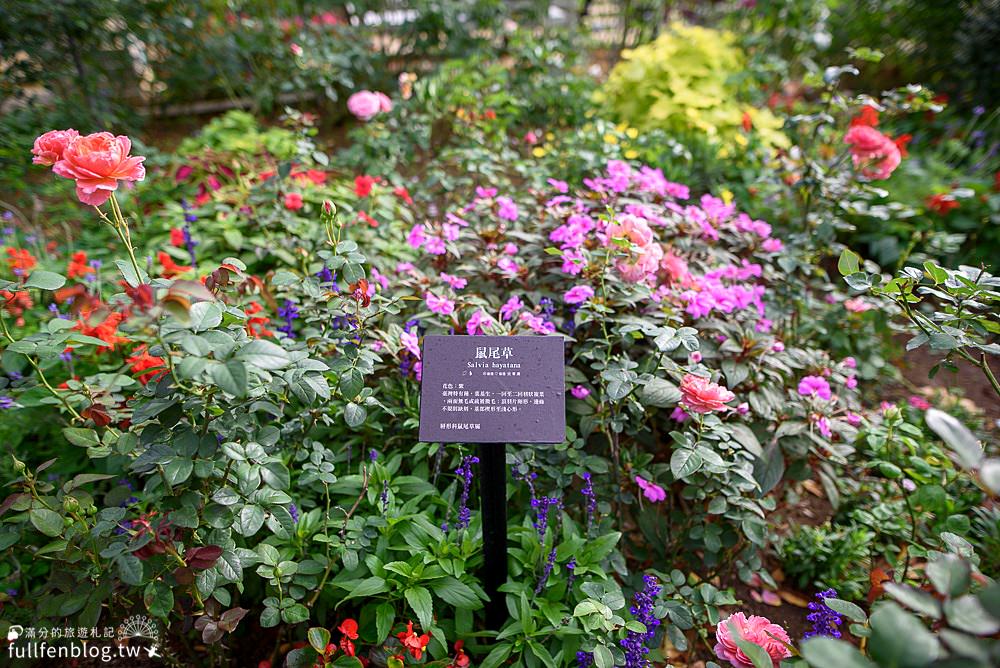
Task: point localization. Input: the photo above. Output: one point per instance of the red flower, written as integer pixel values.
(413, 643)
(316, 176)
(941, 204)
(257, 325)
(868, 116)
(364, 217)
(20, 261)
(78, 266)
(747, 122)
(461, 659)
(177, 237)
(293, 201)
(404, 194)
(363, 185)
(170, 268)
(15, 303)
(349, 628)
(901, 141)
(141, 360)
(106, 330)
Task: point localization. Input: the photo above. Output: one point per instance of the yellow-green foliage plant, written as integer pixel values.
(683, 82)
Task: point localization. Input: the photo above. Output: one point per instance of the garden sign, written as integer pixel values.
(493, 390)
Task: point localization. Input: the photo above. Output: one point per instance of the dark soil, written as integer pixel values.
(915, 366)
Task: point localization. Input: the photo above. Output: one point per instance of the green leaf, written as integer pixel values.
(354, 414)
(364, 588)
(420, 600)
(847, 609)
(758, 655)
(659, 393)
(385, 614)
(914, 599)
(603, 657)
(85, 438)
(270, 617)
(250, 520)
(128, 273)
(684, 462)
(204, 315)
(130, 569)
(455, 592)
(822, 652)
(47, 521)
(159, 598)
(294, 614)
(950, 574)
(264, 355)
(45, 280)
(849, 262)
(900, 638)
(497, 656)
(957, 436)
(967, 613)
(231, 377)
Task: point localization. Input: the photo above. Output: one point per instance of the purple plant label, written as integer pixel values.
(493, 389)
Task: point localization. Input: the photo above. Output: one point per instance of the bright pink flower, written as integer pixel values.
(530, 138)
(574, 262)
(49, 147)
(454, 281)
(700, 395)
(560, 186)
(918, 402)
(676, 268)
(580, 392)
(508, 209)
(295, 49)
(857, 305)
(478, 323)
(815, 386)
(743, 408)
(778, 347)
(694, 357)
(578, 294)
(417, 236)
(876, 155)
(510, 307)
(97, 162)
(365, 104)
(755, 629)
(411, 342)
(853, 419)
(510, 249)
(851, 382)
(850, 362)
(441, 305)
(293, 201)
(650, 490)
(772, 245)
(679, 415)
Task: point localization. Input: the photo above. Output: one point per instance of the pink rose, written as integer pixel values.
(647, 258)
(366, 105)
(877, 155)
(293, 201)
(97, 162)
(49, 147)
(755, 629)
(857, 305)
(700, 395)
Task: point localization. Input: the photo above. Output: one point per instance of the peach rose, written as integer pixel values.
(97, 162)
(49, 147)
(646, 261)
(755, 629)
(700, 395)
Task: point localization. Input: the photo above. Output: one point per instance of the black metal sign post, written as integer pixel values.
(493, 500)
(493, 390)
